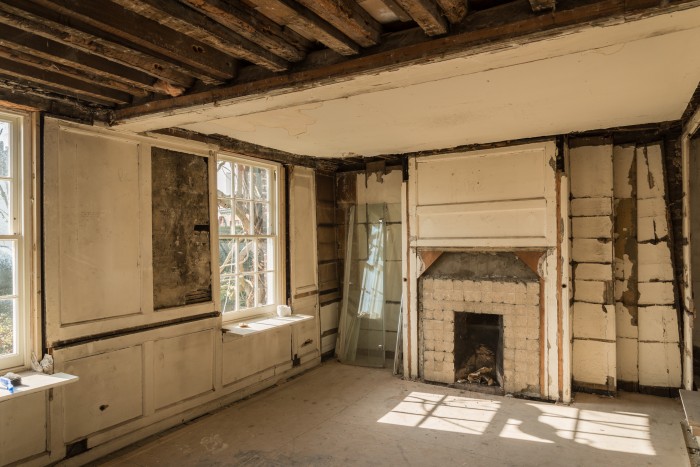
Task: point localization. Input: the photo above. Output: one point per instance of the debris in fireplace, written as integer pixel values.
(485, 360)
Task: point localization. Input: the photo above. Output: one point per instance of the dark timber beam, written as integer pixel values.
(406, 48)
(308, 23)
(427, 14)
(397, 10)
(10, 69)
(349, 17)
(455, 10)
(541, 5)
(60, 55)
(203, 61)
(26, 98)
(49, 26)
(81, 75)
(255, 27)
(202, 28)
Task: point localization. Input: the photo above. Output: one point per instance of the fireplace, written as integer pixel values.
(479, 323)
(478, 350)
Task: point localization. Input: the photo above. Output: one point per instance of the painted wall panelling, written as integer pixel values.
(303, 257)
(98, 239)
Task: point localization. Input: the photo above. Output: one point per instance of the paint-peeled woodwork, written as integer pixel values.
(594, 336)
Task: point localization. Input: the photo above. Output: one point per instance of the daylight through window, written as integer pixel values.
(248, 234)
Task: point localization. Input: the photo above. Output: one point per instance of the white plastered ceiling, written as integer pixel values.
(621, 74)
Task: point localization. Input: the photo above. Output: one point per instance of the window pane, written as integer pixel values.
(225, 216)
(264, 259)
(227, 257)
(246, 255)
(224, 179)
(242, 218)
(242, 177)
(229, 293)
(7, 267)
(246, 289)
(262, 219)
(5, 149)
(7, 327)
(262, 291)
(261, 183)
(5, 203)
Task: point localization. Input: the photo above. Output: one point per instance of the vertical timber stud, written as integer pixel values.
(688, 302)
(411, 346)
(564, 240)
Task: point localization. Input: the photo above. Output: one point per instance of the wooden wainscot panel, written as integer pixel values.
(23, 425)
(248, 355)
(306, 339)
(95, 218)
(183, 367)
(503, 197)
(110, 391)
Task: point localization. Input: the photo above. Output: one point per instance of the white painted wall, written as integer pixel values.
(620, 191)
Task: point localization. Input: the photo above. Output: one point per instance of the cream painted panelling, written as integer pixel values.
(23, 427)
(183, 367)
(109, 392)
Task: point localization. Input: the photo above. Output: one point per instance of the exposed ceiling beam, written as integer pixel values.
(52, 80)
(201, 60)
(541, 5)
(427, 14)
(308, 23)
(17, 96)
(455, 10)
(48, 26)
(255, 27)
(62, 55)
(397, 51)
(349, 17)
(70, 72)
(397, 10)
(200, 27)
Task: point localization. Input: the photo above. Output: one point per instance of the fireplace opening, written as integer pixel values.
(478, 349)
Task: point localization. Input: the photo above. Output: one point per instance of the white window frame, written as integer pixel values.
(22, 218)
(277, 227)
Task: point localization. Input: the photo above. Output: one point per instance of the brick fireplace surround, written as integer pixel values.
(517, 302)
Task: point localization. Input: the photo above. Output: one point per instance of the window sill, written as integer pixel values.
(262, 325)
(34, 382)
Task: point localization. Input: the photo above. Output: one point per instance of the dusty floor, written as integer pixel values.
(343, 415)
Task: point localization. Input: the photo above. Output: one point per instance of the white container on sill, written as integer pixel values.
(284, 310)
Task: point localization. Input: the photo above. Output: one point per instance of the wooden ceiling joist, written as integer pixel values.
(542, 5)
(455, 10)
(427, 14)
(308, 23)
(397, 10)
(24, 73)
(47, 26)
(60, 55)
(201, 60)
(200, 27)
(70, 72)
(255, 27)
(348, 17)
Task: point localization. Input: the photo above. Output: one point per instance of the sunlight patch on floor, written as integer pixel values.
(444, 413)
(527, 421)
